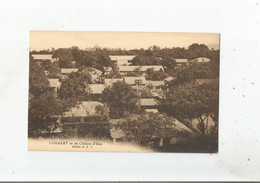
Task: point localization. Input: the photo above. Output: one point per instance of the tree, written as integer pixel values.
(150, 129)
(38, 83)
(43, 104)
(169, 63)
(75, 86)
(189, 101)
(194, 71)
(65, 57)
(155, 75)
(53, 69)
(121, 98)
(198, 50)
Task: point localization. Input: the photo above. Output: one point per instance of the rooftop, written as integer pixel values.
(121, 57)
(95, 88)
(42, 56)
(68, 70)
(54, 82)
(200, 59)
(181, 60)
(148, 102)
(134, 80)
(151, 110)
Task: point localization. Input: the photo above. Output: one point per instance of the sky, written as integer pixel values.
(40, 40)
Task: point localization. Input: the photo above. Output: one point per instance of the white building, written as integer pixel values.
(122, 59)
(124, 70)
(44, 57)
(201, 60)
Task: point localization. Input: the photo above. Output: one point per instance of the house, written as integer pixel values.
(44, 57)
(95, 91)
(54, 84)
(151, 110)
(67, 71)
(135, 81)
(201, 60)
(181, 61)
(122, 59)
(124, 70)
(149, 104)
(109, 82)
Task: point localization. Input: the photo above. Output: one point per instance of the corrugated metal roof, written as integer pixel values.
(134, 80)
(148, 102)
(142, 68)
(95, 88)
(54, 82)
(68, 70)
(121, 57)
(151, 110)
(42, 56)
(201, 59)
(85, 108)
(181, 60)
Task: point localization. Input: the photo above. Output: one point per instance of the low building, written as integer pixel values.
(200, 60)
(135, 81)
(95, 91)
(181, 61)
(124, 70)
(54, 84)
(149, 104)
(122, 59)
(44, 57)
(67, 71)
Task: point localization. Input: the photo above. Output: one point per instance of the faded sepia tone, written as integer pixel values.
(123, 91)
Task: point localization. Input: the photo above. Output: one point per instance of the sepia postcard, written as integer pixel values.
(123, 91)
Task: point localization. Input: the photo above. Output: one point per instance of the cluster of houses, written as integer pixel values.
(100, 80)
(123, 62)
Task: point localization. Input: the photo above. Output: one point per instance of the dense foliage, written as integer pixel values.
(121, 98)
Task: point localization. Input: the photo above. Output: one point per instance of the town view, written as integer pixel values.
(164, 99)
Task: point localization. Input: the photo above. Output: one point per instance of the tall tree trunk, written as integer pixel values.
(161, 142)
(207, 124)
